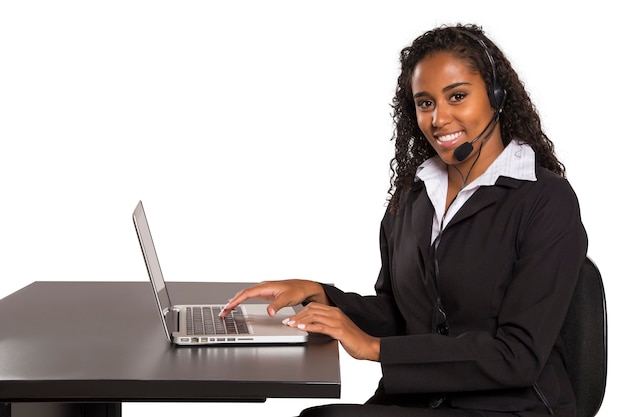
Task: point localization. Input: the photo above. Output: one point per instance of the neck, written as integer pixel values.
(461, 174)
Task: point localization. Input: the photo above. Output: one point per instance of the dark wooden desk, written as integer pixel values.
(83, 348)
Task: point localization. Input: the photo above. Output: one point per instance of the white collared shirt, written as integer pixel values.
(516, 161)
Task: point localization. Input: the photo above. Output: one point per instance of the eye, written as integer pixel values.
(457, 97)
(424, 104)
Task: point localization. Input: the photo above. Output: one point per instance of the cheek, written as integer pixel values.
(472, 118)
(423, 122)
(425, 125)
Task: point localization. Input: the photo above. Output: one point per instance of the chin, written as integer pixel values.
(448, 157)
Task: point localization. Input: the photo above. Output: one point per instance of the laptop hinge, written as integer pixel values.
(171, 318)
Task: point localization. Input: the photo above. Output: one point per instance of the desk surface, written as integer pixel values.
(102, 341)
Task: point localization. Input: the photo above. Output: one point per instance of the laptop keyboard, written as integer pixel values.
(206, 321)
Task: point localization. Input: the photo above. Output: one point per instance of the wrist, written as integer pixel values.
(318, 295)
(375, 349)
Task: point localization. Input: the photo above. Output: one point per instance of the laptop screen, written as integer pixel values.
(151, 259)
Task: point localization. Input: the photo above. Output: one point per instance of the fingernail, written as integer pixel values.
(301, 326)
(286, 321)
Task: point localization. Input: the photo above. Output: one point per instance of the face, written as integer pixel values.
(452, 105)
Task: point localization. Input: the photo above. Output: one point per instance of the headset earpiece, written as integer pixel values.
(497, 94)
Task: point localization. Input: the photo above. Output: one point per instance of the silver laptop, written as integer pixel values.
(200, 324)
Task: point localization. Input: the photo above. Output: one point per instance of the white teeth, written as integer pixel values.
(448, 138)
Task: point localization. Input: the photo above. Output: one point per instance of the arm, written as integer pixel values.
(356, 321)
(377, 314)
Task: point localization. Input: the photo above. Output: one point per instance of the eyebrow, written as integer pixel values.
(446, 89)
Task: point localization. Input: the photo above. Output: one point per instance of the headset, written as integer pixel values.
(496, 92)
(497, 96)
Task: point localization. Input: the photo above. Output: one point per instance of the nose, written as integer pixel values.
(441, 115)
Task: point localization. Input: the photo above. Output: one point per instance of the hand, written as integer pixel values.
(331, 321)
(280, 294)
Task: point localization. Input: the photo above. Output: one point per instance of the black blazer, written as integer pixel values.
(508, 264)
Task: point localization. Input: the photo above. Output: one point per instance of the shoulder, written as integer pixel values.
(554, 187)
(404, 200)
(548, 186)
(550, 203)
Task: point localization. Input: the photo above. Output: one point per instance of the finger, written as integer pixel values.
(326, 317)
(268, 290)
(315, 308)
(280, 301)
(330, 329)
(253, 292)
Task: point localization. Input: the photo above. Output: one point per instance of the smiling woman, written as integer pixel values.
(480, 249)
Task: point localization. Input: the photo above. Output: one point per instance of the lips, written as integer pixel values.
(449, 140)
(449, 137)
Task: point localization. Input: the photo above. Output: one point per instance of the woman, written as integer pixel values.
(481, 246)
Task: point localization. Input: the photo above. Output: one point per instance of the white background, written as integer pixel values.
(257, 135)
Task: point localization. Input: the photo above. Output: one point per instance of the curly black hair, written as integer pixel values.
(519, 118)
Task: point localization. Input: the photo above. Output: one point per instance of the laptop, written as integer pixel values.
(188, 325)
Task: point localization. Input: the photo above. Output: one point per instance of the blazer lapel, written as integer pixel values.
(422, 212)
(484, 197)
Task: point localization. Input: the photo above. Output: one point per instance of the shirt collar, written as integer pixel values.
(516, 161)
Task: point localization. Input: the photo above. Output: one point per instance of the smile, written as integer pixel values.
(450, 137)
